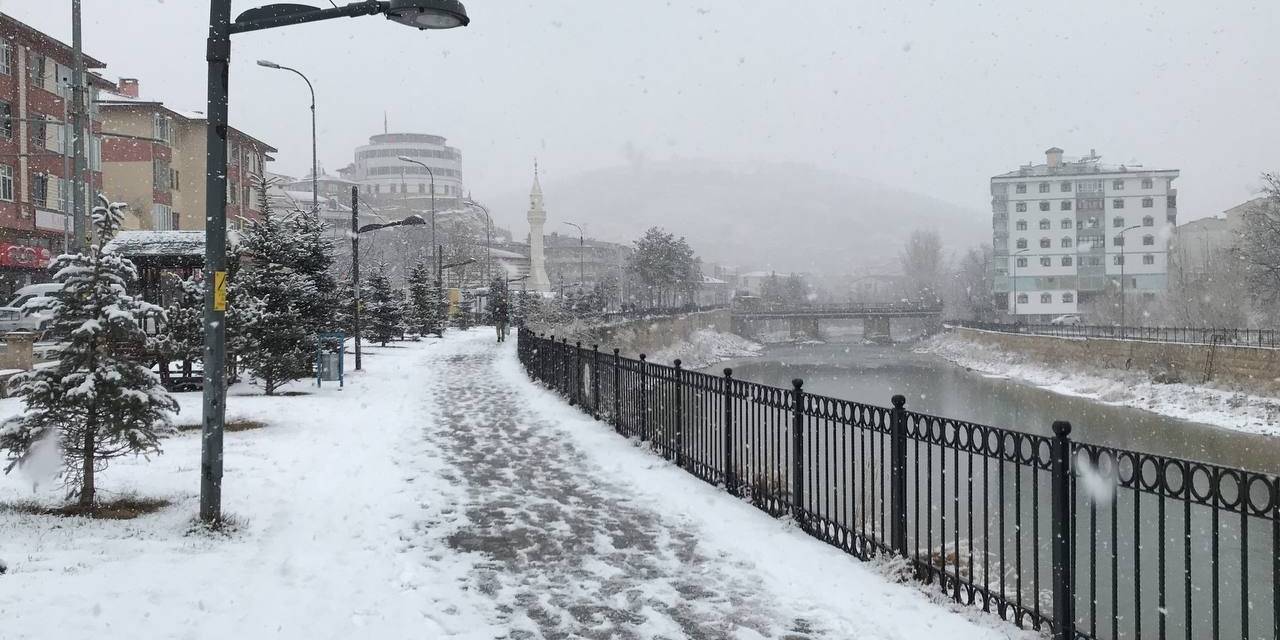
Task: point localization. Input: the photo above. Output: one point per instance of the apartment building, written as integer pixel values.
(1067, 231)
(35, 149)
(154, 160)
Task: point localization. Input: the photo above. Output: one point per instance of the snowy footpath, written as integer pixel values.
(440, 495)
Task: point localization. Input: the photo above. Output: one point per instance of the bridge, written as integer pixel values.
(748, 320)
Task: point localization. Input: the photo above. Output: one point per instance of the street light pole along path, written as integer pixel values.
(315, 190)
(420, 14)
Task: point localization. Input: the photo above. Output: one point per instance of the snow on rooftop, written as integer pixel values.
(158, 243)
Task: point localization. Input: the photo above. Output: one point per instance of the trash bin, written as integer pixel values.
(329, 360)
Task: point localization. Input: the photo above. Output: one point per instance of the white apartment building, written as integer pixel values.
(390, 182)
(1065, 230)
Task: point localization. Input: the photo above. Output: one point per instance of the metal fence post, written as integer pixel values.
(644, 399)
(1063, 583)
(595, 381)
(730, 477)
(576, 378)
(564, 370)
(797, 452)
(547, 361)
(617, 390)
(898, 475)
(679, 434)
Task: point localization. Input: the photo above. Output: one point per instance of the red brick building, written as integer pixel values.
(35, 193)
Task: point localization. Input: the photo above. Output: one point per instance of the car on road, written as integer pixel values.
(25, 311)
(1069, 320)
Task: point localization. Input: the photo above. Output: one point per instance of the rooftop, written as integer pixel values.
(158, 243)
(1057, 165)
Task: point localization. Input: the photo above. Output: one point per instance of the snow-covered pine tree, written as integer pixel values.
(423, 311)
(383, 304)
(182, 339)
(99, 401)
(314, 260)
(466, 306)
(279, 346)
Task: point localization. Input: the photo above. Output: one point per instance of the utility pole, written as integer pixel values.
(355, 268)
(78, 131)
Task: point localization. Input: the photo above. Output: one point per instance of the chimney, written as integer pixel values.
(128, 87)
(1053, 157)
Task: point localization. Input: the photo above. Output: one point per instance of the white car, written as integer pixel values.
(24, 312)
(1068, 320)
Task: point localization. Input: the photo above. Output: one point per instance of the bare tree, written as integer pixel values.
(970, 295)
(1259, 247)
(922, 264)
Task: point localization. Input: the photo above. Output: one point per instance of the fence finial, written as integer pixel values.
(677, 363)
(797, 383)
(1061, 428)
(728, 372)
(898, 400)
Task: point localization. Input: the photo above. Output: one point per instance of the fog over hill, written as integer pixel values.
(787, 217)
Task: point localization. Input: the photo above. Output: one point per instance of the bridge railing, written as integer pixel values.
(1047, 532)
(837, 308)
(1230, 336)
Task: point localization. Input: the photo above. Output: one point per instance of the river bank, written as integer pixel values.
(1204, 404)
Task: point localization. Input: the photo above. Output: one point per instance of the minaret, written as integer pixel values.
(538, 280)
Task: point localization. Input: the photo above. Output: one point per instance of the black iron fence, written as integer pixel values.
(1076, 539)
(1262, 338)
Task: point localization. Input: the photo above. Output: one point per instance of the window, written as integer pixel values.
(1065, 187)
(6, 120)
(1020, 207)
(1117, 185)
(161, 217)
(173, 179)
(1117, 222)
(1093, 222)
(1118, 203)
(160, 175)
(37, 130)
(1022, 262)
(1148, 241)
(1117, 241)
(1045, 224)
(1066, 261)
(377, 188)
(36, 69)
(1172, 201)
(1117, 259)
(232, 194)
(1146, 183)
(1022, 298)
(1021, 225)
(1046, 298)
(1066, 205)
(1147, 203)
(248, 196)
(1066, 243)
(393, 188)
(1066, 223)
(62, 194)
(1171, 218)
(1021, 187)
(40, 189)
(1046, 262)
(162, 128)
(1044, 187)
(1068, 297)
(6, 58)
(1148, 259)
(1044, 206)
(1045, 243)
(1022, 243)
(1148, 221)
(6, 182)
(422, 188)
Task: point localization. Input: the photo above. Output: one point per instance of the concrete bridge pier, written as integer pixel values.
(804, 327)
(744, 326)
(876, 329)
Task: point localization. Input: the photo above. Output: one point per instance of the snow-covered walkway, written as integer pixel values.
(579, 534)
(441, 494)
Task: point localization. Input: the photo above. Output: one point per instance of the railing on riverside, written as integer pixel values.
(635, 314)
(1262, 338)
(856, 308)
(1076, 539)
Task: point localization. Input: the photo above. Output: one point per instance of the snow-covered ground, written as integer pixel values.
(1198, 403)
(706, 347)
(440, 494)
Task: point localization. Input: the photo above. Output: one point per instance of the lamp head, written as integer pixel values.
(268, 64)
(428, 14)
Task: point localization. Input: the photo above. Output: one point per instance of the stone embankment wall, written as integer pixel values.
(647, 335)
(1244, 368)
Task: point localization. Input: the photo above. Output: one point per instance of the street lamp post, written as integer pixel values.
(1014, 280)
(488, 239)
(421, 14)
(581, 238)
(1122, 299)
(315, 190)
(432, 175)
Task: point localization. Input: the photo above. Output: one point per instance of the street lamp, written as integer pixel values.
(1122, 300)
(315, 190)
(422, 14)
(488, 237)
(581, 278)
(432, 175)
(1015, 283)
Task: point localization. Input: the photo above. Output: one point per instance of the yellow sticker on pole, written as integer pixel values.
(219, 290)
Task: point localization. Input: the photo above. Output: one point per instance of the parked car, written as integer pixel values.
(23, 312)
(1069, 320)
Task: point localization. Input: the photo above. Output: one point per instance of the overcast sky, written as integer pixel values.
(932, 97)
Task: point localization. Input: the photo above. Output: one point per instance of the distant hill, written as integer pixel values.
(787, 217)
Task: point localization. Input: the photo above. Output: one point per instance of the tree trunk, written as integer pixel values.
(86, 471)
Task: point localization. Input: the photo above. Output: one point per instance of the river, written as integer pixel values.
(1189, 537)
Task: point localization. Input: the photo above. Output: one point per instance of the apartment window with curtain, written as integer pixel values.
(6, 58)
(160, 175)
(6, 182)
(40, 189)
(6, 120)
(161, 217)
